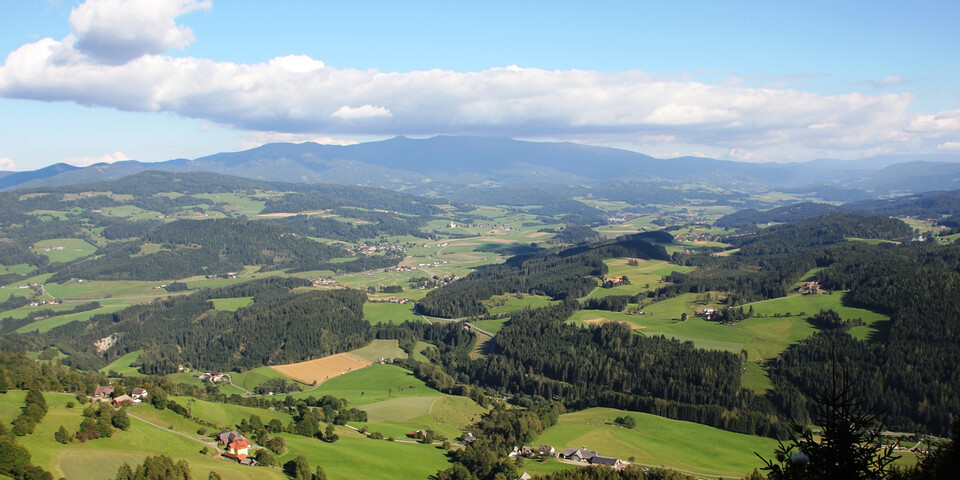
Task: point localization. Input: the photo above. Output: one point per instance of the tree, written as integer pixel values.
(849, 444)
(13, 458)
(264, 458)
(62, 435)
(319, 474)
(121, 420)
(298, 468)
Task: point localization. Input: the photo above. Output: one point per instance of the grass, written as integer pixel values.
(357, 458)
(418, 350)
(375, 383)
(875, 323)
(52, 322)
(231, 304)
(447, 416)
(659, 441)
(122, 364)
(101, 458)
(253, 378)
(645, 276)
(493, 325)
(386, 349)
(383, 312)
(509, 303)
(225, 414)
(68, 249)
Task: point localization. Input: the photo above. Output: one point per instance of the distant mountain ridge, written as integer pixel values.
(426, 166)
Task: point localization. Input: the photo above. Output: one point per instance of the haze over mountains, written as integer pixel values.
(438, 164)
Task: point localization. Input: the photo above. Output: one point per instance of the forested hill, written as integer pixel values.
(202, 247)
(279, 327)
(570, 273)
(791, 213)
(912, 372)
(932, 205)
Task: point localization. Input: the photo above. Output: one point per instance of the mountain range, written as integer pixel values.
(442, 164)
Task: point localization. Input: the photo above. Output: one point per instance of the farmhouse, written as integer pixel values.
(547, 450)
(124, 400)
(469, 438)
(580, 455)
(103, 392)
(608, 461)
(809, 288)
(235, 445)
(138, 393)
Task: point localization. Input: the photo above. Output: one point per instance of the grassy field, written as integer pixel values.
(447, 416)
(97, 459)
(63, 249)
(226, 415)
(122, 364)
(645, 276)
(53, 322)
(383, 312)
(387, 349)
(231, 304)
(493, 325)
(875, 323)
(357, 458)
(659, 441)
(253, 378)
(375, 383)
(509, 303)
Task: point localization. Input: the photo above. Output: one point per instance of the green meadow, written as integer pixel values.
(63, 249)
(383, 312)
(56, 321)
(493, 325)
(97, 459)
(122, 364)
(375, 383)
(227, 415)
(377, 349)
(657, 441)
(512, 302)
(354, 457)
(447, 416)
(645, 276)
(231, 304)
(253, 378)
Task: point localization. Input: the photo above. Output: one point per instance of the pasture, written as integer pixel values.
(231, 304)
(101, 458)
(447, 416)
(657, 441)
(375, 383)
(512, 302)
(56, 321)
(377, 349)
(122, 364)
(63, 249)
(227, 415)
(383, 312)
(357, 458)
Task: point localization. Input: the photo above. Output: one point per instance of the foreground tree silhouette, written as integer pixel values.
(848, 446)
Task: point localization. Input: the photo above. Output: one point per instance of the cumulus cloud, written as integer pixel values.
(255, 139)
(87, 161)
(949, 146)
(6, 164)
(117, 31)
(364, 111)
(103, 64)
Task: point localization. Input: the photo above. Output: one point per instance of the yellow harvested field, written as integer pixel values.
(276, 215)
(538, 234)
(322, 369)
(624, 261)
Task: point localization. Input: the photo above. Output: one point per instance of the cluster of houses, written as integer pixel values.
(708, 313)
(383, 247)
(214, 377)
(811, 288)
(108, 394)
(580, 455)
(235, 447)
(400, 301)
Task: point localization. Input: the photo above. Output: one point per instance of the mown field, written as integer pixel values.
(100, 458)
(658, 441)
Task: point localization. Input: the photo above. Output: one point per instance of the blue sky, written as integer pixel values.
(150, 80)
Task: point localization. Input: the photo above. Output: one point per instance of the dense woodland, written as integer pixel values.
(569, 273)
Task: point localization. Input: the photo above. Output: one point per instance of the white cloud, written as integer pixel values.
(364, 111)
(949, 146)
(117, 31)
(255, 139)
(87, 161)
(888, 81)
(6, 164)
(296, 94)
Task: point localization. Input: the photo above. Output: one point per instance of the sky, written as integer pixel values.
(152, 80)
